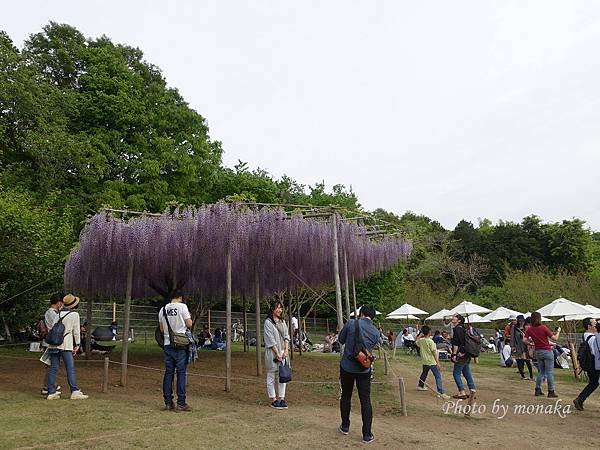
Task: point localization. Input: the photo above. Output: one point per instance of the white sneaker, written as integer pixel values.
(421, 388)
(444, 396)
(78, 395)
(55, 396)
(45, 390)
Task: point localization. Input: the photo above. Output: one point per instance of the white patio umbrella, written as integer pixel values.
(544, 319)
(561, 307)
(594, 313)
(468, 308)
(501, 313)
(476, 318)
(440, 315)
(357, 312)
(400, 317)
(593, 310)
(407, 309)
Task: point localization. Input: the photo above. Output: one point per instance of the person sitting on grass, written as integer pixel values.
(430, 359)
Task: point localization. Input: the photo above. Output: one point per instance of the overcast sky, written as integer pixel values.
(452, 109)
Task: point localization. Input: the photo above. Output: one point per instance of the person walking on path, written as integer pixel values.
(538, 334)
(519, 347)
(50, 318)
(351, 371)
(176, 357)
(590, 337)
(69, 346)
(277, 342)
(430, 359)
(460, 358)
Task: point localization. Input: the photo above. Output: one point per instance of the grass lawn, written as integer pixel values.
(132, 418)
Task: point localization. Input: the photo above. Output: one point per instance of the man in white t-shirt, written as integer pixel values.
(176, 359)
(294, 323)
(50, 318)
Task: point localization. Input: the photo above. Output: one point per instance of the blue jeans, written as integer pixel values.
(545, 360)
(436, 373)
(175, 359)
(463, 367)
(67, 356)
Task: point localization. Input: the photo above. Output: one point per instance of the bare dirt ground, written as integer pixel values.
(131, 417)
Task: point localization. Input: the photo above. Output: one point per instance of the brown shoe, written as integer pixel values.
(183, 408)
(170, 407)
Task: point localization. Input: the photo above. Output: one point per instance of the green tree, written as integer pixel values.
(34, 242)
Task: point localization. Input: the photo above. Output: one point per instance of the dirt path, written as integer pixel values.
(242, 419)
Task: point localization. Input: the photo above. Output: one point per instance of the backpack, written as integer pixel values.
(42, 329)
(585, 358)
(56, 334)
(472, 343)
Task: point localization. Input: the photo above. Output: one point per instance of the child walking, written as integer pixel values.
(429, 356)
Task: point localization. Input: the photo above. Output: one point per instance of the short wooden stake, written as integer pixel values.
(402, 396)
(105, 375)
(470, 404)
(385, 363)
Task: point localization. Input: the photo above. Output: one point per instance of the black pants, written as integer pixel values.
(521, 366)
(363, 384)
(593, 376)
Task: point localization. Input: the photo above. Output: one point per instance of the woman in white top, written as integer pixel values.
(277, 340)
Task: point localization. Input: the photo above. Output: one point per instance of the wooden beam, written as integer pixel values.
(127, 311)
(258, 334)
(346, 286)
(336, 273)
(229, 340)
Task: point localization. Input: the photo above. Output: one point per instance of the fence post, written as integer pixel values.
(105, 375)
(402, 396)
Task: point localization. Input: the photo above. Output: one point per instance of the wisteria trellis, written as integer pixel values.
(192, 244)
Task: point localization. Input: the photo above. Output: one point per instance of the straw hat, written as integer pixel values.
(70, 301)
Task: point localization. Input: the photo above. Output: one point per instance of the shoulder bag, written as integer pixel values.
(178, 340)
(362, 355)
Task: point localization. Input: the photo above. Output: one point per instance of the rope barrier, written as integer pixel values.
(253, 380)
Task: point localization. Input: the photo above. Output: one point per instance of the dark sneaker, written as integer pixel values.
(170, 407)
(283, 404)
(343, 430)
(578, 404)
(552, 394)
(368, 439)
(538, 392)
(45, 390)
(276, 404)
(183, 408)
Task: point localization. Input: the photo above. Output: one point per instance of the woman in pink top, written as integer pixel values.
(537, 335)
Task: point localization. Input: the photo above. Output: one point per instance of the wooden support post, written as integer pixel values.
(145, 338)
(88, 329)
(336, 273)
(354, 293)
(385, 363)
(347, 287)
(290, 325)
(470, 405)
(209, 327)
(105, 375)
(127, 307)
(258, 334)
(245, 326)
(402, 396)
(114, 312)
(299, 324)
(327, 324)
(229, 339)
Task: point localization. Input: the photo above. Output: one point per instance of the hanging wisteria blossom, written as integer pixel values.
(189, 247)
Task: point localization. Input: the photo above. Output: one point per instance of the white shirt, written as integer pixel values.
(506, 353)
(70, 320)
(294, 323)
(177, 313)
